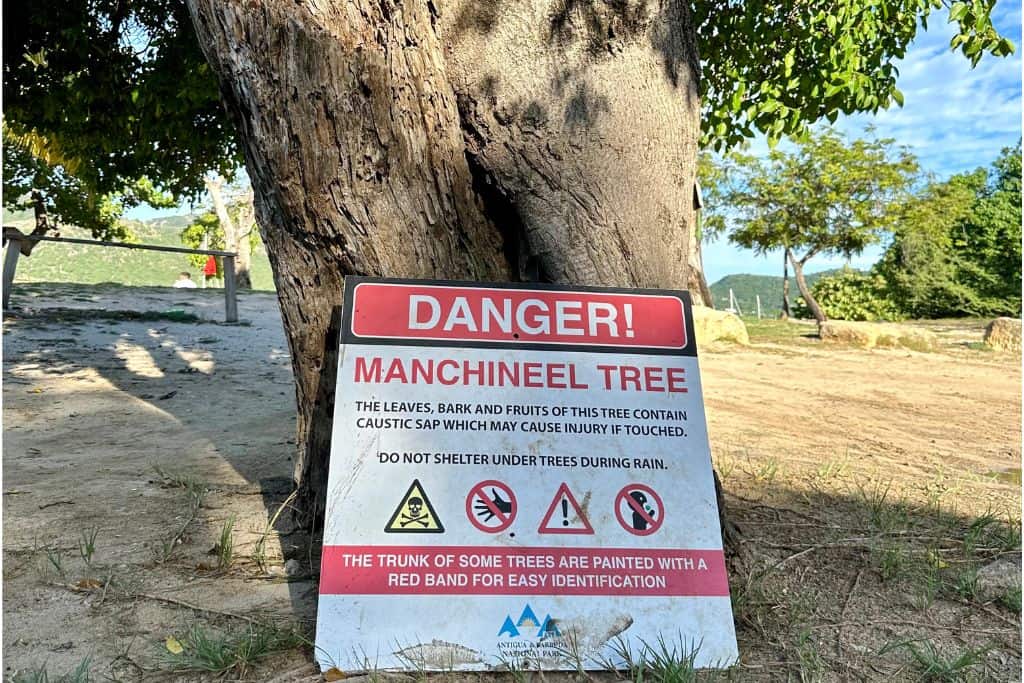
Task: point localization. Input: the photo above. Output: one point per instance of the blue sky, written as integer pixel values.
(954, 119)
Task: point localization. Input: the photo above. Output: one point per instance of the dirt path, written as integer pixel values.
(122, 425)
(913, 417)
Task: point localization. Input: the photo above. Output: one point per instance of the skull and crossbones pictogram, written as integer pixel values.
(416, 514)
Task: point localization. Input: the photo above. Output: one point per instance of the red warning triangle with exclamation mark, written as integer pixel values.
(565, 516)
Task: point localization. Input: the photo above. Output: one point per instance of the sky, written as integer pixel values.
(954, 119)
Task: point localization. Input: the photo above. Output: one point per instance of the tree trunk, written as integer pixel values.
(234, 240)
(697, 283)
(43, 224)
(245, 224)
(805, 291)
(380, 136)
(352, 143)
(786, 312)
(243, 262)
(584, 118)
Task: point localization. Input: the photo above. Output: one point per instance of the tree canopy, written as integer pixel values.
(105, 99)
(778, 67)
(826, 196)
(956, 246)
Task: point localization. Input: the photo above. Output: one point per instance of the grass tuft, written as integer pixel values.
(80, 674)
(87, 544)
(811, 663)
(56, 559)
(259, 551)
(767, 470)
(884, 514)
(1011, 600)
(966, 584)
(226, 544)
(197, 491)
(235, 652)
(664, 661)
(672, 662)
(933, 666)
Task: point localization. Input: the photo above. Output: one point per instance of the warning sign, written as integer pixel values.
(639, 509)
(530, 462)
(414, 514)
(491, 506)
(565, 516)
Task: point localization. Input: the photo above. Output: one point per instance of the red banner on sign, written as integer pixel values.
(397, 311)
(473, 570)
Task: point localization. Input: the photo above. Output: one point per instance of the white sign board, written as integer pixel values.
(519, 476)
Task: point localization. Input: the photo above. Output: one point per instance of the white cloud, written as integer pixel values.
(954, 119)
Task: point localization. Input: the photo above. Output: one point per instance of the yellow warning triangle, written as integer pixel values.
(415, 514)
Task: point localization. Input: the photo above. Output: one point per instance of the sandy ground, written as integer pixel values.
(109, 421)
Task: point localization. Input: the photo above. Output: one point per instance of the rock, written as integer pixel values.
(998, 578)
(292, 568)
(1003, 334)
(872, 335)
(858, 334)
(711, 326)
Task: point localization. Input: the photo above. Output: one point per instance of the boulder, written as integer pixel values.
(1003, 334)
(712, 326)
(843, 332)
(998, 578)
(882, 335)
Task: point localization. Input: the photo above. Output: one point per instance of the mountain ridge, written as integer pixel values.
(747, 287)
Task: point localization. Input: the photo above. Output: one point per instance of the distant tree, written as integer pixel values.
(229, 226)
(918, 265)
(956, 245)
(988, 243)
(826, 196)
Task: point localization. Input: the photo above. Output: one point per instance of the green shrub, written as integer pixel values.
(850, 295)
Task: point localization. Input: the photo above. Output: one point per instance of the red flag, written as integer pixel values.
(210, 269)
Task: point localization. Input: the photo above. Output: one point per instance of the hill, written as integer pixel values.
(83, 264)
(747, 287)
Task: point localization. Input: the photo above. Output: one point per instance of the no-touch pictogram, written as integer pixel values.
(639, 509)
(491, 506)
(414, 514)
(565, 515)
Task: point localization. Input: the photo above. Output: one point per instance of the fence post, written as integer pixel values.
(10, 265)
(230, 295)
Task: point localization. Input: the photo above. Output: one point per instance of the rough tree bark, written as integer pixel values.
(236, 233)
(697, 283)
(43, 225)
(582, 121)
(352, 143)
(532, 139)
